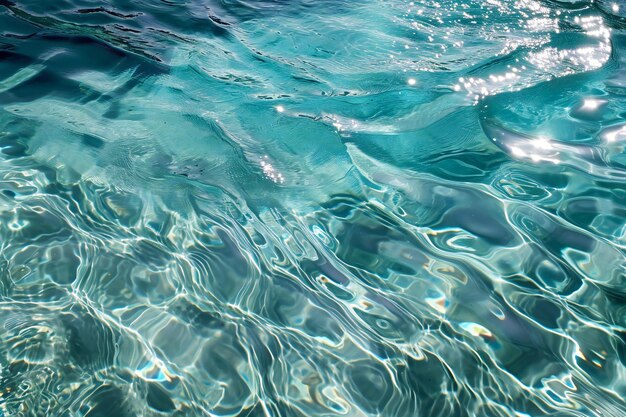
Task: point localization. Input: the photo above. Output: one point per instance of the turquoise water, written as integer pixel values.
(313, 208)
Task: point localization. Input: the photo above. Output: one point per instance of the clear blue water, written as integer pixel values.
(313, 208)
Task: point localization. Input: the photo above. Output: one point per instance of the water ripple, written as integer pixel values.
(309, 208)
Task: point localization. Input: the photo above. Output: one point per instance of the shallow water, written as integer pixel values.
(312, 208)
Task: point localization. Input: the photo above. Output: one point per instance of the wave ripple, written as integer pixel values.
(312, 208)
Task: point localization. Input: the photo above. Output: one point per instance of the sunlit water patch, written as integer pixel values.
(313, 208)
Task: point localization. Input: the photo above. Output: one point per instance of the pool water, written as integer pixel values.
(313, 208)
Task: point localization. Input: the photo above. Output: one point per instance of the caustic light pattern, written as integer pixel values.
(313, 208)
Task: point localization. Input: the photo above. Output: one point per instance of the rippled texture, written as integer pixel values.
(312, 208)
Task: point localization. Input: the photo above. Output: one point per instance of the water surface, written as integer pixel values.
(313, 208)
